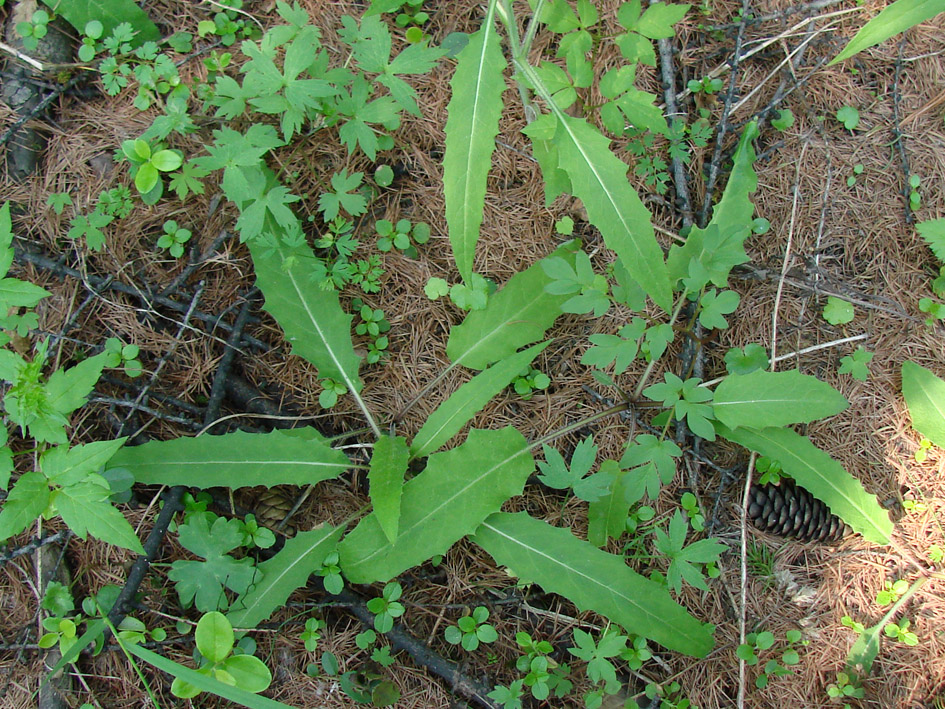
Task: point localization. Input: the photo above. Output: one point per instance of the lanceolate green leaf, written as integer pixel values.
(592, 579)
(310, 316)
(762, 399)
(896, 18)
(925, 397)
(820, 474)
(471, 127)
(599, 180)
(516, 316)
(288, 570)
(110, 13)
(386, 477)
(237, 459)
(468, 400)
(607, 517)
(458, 489)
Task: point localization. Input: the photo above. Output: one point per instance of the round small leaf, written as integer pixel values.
(147, 178)
(93, 29)
(214, 636)
(166, 160)
(250, 672)
(384, 176)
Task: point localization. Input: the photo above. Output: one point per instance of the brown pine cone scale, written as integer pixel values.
(787, 510)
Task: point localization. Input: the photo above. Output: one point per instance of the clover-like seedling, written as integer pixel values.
(915, 199)
(215, 640)
(384, 176)
(922, 452)
(471, 630)
(122, 355)
(857, 170)
(770, 470)
(691, 505)
(34, 30)
(312, 633)
(856, 364)
(706, 85)
(529, 381)
(402, 235)
(90, 44)
(331, 390)
(174, 238)
(847, 686)
(386, 607)
(900, 632)
(330, 572)
(147, 165)
(255, 535)
(892, 591)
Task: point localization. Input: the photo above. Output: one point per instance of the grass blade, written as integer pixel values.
(236, 459)
(820, 474)
(468, 400)
(458, 489)
(473, 123)
(592, 579)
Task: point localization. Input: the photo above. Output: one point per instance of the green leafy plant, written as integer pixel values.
(471, 630)
(857, 364)
(402, 235)
(529, 381)
(892, 591)
(900, 632)
(784, 120)
(148, 163)
(757, 643)
(895, 18)
(386, 607)
(857, 171)
(215, 640)
(686, 562)
(838, 311)
(707, 85)
(849, 117)
(174, 238)
(846, 686)
(34, 30)
(125, 356)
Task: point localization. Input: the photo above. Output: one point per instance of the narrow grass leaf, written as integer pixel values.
(516, 316)
(471, 128)
(761, 399)
(820, 474)
(895, 18)
(599, 180)
(468, 400)
(925, 397)
(386, 477)
(591, 579)
(458, 489)
(282, 574)
(237, 459)
(204, 683)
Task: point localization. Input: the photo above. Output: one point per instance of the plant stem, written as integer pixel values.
(616, 409)
(652, 363)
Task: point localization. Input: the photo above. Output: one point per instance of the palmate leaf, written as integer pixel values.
(591, 579)
(895, 18)
(288, 570)
(386, 477)
(933, 231)
(473, 122)
(468, 400)
(599, 180)
(458, 489)
(516, 316)
(925, 397)
(762, 399)
(233, 460)
(820, 474)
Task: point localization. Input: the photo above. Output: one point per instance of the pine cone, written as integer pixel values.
(271, 508)
(787, 510)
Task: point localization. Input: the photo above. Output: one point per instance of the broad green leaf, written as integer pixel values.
(516, 316)
(26, 501)
(110, 13)
(214, 636)
(599, 180)
(820, 474)
(925, 397)
(67, 389)
(458, 489)
(468, 400)
(895, 18)
(607, 517)
(386, 476)
(233, 460)
(86, 509)
(204, 682)
(310, 316)
(282, 574)
(709, 254)
(471, 127)
(591, 579)
(761, 399)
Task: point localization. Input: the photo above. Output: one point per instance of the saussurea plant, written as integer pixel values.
(460, 490)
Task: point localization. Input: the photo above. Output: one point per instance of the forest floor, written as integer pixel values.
(829, 236)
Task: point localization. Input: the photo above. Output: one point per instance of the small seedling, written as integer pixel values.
(857, 170)
(847, 686)
(90, 44)
(770, 470)
(564, 226)
(854, 625)
(122, 355)
(760, 559)
(436, 288)
(706, 85)
(471, 630)
(255, 535)
(174, 238)
(399, 235)
(759, 642)
(384, 176)
(849, 117)
(312, 633)
(34, 30)
(691, 505)
(892, 592)
(915, 199)
(838, 311)
(331, 390)
(59, 201)
(530, 381)
(784, 120)
(386, 607)
(936, 553)
(148, 162)
(856, 365)
(900, 632)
